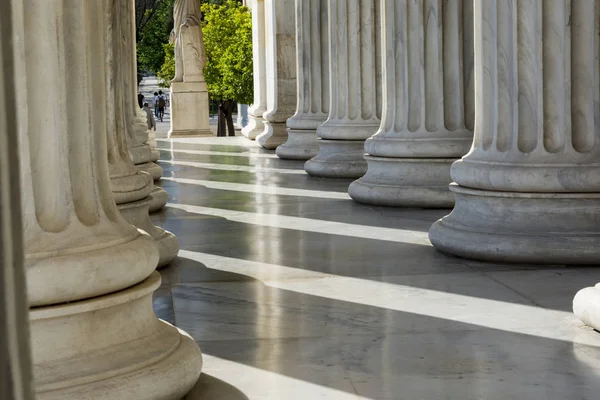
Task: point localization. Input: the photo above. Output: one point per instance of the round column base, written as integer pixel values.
(151, 168)
(154, 154)
(274, 135)
(140, 154)
(300, 145)
(405, 182)
(136, 213)
(254, 128)
(111, 347)
(338, 159)
(538, 228)
(586, 306)
(160, 198)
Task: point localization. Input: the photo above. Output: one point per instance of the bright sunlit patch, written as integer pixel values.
(311, 225)
(231, 167)
(242, 187)
(443, 305)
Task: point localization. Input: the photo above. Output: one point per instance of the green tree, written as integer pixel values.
(167, 71)
(154, 22)
(227, 32)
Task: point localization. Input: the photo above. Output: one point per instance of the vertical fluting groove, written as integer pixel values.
(302, 31)
(389, 76)
(97, 50)
(46, 122)
(555, 87)
(504, 123)
(324, 57)
(487, 77)
(351, 47)
(452, 52)
(531, 124)
(314, 55)
(377, 73)
(339, 82)
(80, 121)
(111, 101)
(434, 95)
(395, 93)
(584, 64)
(367, 100)
(416, 59)
(468, 63)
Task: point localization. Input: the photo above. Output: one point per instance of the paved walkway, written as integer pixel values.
(295, 292)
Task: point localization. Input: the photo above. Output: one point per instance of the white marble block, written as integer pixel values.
(423, 128)
(355, 104)
(189, 109)
(529, 189)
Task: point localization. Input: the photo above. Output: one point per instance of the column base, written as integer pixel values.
(140, 154)
(338, 159)
(151, 168)
(111, 347)
(539, 228)
(586, 306)
(405, 182)
(160, 198)
(274, 135)
(190, 133)
(254, 128)
(136, 213)
(300, 145)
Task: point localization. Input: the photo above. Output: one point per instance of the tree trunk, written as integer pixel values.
(225, 122)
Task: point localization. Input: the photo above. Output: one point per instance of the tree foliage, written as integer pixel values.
(227, 32)
(154, 22)
(167, 71)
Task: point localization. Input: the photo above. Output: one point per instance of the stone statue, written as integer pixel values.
(187, 37)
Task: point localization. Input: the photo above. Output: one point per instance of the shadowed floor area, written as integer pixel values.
(293, 291)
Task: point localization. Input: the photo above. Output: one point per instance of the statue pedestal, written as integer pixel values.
(189, 109)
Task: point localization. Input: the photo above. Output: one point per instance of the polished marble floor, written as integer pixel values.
(293, 291)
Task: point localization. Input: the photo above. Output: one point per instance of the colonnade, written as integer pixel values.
(488, 107)
(86, 185)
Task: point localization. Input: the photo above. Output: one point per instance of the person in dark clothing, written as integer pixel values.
(140, 100)
(156, 104)
(162, 103)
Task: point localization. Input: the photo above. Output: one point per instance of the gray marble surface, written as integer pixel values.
(293, 291)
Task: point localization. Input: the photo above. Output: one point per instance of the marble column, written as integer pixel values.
(90, 274)
(280, 55)
(255, 112)
(529, 189)
(423, 128)
(136, 128)
(355, 79)
(131, 187)
(312, 69)
(16, 378)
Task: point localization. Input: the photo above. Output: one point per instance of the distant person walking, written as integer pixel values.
(140, 100)
(156, 104)
(162, 103)
(149, 117)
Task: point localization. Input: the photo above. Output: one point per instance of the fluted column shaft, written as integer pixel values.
(355, 89)
(312, 70)
(424, 122)
(255, 113)
(280, 56)
(16, 380)
(131, 187)
(136, 128)
(532, 170)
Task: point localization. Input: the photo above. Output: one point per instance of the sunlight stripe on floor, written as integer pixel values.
(525, 319)
(222, 153)
(253, 188)
(237, 168)
(311, 225)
